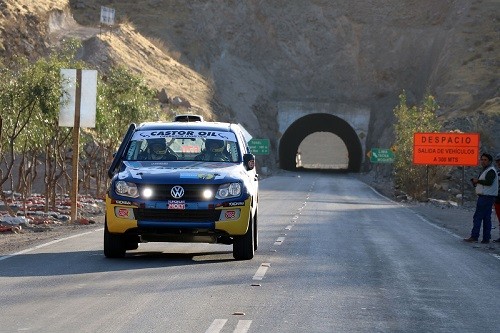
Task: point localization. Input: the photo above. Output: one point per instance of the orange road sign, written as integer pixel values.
(461, 149)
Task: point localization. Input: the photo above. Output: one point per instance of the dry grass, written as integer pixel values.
(152, 60)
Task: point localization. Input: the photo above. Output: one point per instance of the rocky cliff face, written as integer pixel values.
(258, 53)
(364, 52)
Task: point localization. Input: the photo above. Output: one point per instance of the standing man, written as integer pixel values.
(486, 190)
(497, 200)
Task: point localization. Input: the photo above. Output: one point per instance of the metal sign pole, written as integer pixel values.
(463, 184)
(76, 147)
(427, 181)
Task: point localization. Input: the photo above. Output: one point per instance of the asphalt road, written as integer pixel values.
(334, 256)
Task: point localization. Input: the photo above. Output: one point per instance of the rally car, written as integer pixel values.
(182, 182)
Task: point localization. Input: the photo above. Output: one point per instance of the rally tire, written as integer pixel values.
(131, 243)
(114, 245)
(244, 246)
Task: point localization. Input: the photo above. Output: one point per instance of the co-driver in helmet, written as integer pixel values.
(213, 152)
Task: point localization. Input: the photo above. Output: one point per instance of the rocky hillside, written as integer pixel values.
(237, 59)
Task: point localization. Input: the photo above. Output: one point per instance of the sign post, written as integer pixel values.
(77, 109)
(107, 17)
(76, 147)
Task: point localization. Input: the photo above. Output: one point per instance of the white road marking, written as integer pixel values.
(47, 244)
(216, 326)
(279, 241)
(242, 326)
(436, 226)
(261, 272)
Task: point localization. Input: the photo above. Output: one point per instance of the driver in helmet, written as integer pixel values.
(158, 150)
(213, 152)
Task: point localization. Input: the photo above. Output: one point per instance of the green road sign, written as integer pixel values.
(381, 155)
(259, 146)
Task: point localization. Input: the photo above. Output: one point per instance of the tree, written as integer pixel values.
(29, 109)
(411, 178)
(25, 92)
(30, 95)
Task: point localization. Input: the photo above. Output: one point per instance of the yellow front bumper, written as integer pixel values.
(120, 218)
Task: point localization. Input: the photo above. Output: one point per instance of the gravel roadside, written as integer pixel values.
(29, 237)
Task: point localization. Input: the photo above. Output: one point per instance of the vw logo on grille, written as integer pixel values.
(177, 192)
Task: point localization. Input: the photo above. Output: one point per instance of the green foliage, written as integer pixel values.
(411, 178)
(123, 98)
(29, 98)
(30, 95)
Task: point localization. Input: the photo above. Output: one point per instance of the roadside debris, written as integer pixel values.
(32, 217)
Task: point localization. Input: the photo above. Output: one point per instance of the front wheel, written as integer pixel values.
(244, 246)
(114, 245)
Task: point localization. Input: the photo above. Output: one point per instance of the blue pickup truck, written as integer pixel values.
(182, 182)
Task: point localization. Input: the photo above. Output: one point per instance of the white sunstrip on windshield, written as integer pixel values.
(184, 134)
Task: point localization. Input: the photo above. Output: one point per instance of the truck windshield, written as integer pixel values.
(187, 146)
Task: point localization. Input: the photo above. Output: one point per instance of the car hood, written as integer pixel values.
(163, 172)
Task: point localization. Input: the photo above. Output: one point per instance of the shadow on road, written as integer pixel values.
(84, 262)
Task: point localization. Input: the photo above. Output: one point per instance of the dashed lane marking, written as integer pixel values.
(243, 326)
(279, 241)
(261, 271)
(218, 324)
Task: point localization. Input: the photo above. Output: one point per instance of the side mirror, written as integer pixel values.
(249, 161)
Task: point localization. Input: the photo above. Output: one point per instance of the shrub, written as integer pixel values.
(410, 178)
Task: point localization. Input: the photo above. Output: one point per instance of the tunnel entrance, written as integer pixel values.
(298, 131)
(323, 150)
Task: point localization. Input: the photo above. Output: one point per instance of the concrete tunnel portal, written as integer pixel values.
(319, 122)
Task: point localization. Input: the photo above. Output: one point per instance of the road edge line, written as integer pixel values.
(47, 244)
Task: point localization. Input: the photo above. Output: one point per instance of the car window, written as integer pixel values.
(178, 145)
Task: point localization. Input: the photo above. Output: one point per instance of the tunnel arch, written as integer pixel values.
(319, 122)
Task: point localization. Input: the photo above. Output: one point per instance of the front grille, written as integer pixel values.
(192, 192)
(174, 215)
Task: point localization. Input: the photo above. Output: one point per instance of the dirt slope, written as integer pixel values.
(262, 52)
(238, 59)
(33, 28)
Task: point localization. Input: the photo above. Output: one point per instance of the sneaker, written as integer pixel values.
(470, 240)
(496, 240)
(485, 241)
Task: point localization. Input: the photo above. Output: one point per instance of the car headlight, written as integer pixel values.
(126, 189)
(229, 190)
